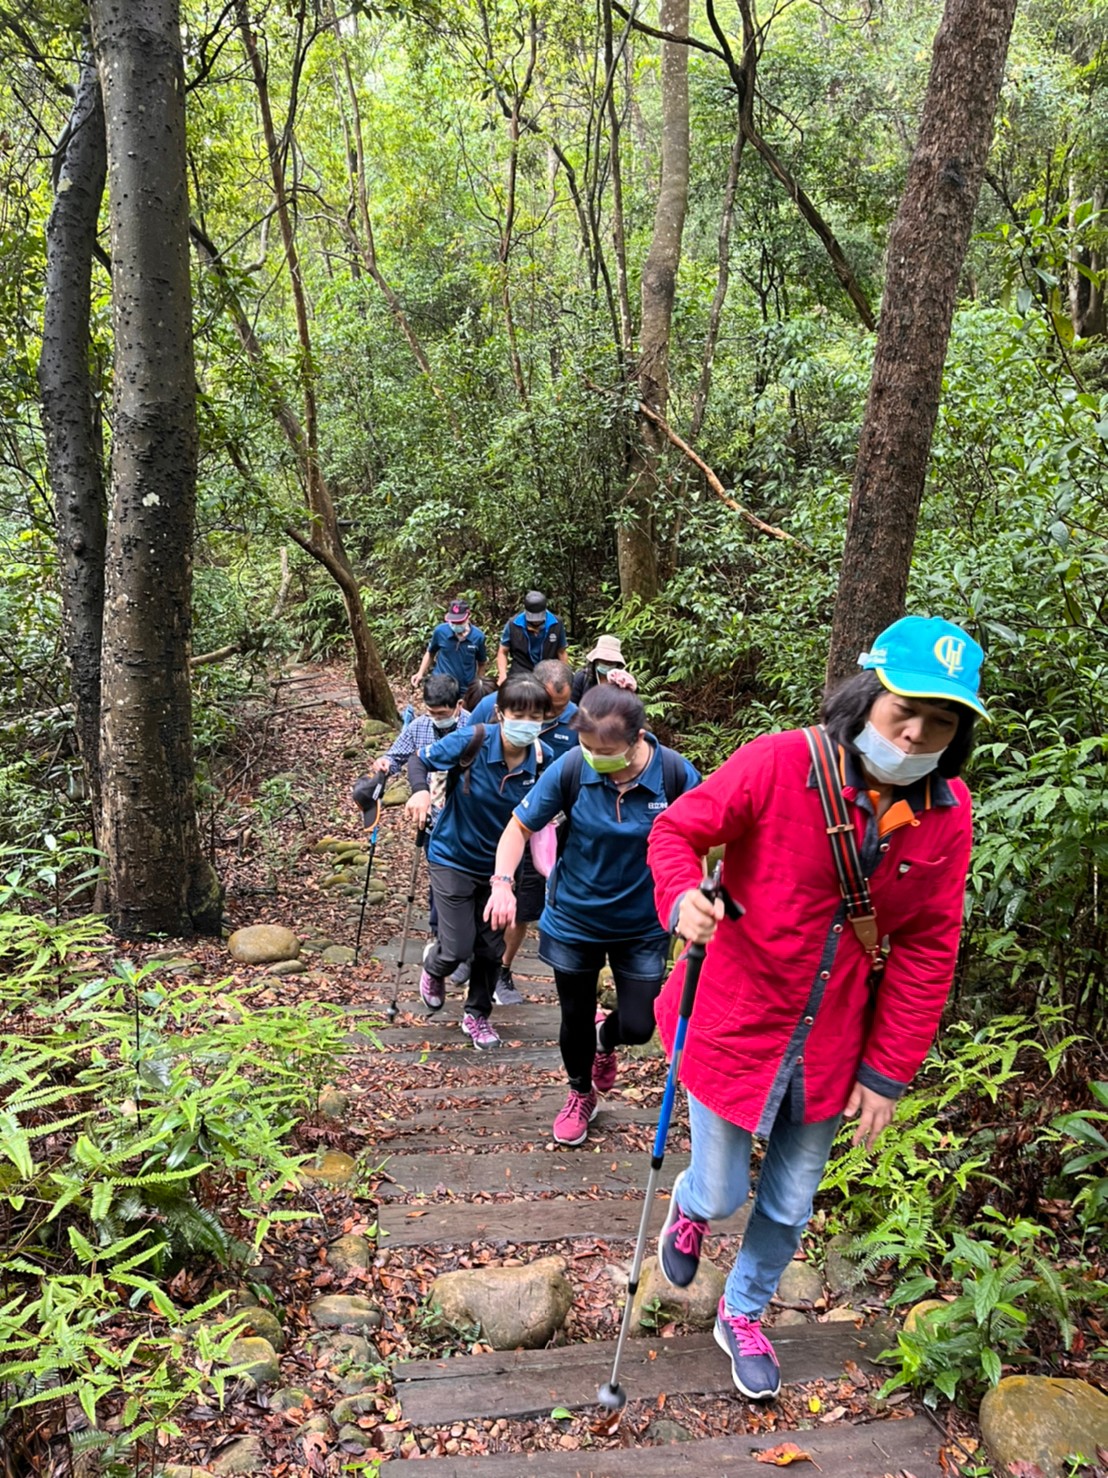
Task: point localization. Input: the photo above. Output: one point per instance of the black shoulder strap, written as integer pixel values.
(571, 778)
(844, 844)
(675, 779)
(465, 760)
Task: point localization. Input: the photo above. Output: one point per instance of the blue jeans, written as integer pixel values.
(717, 1183)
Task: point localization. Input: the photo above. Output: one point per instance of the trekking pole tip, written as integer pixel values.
(612, 1397)
(392, 1012)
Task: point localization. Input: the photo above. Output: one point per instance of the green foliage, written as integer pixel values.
(1088, 1128)
(142, 1128)
(998, 1277)
(901, 1198)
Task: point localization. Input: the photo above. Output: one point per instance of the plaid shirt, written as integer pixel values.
(417, 735)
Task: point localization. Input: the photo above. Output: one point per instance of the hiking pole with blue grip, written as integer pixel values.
(368, 791)
(612, 1395)
(420, 844)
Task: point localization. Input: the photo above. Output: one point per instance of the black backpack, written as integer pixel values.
(674, 782)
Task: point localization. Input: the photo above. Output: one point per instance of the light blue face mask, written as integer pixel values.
(521, 731)
(445, 725)
(888, 763)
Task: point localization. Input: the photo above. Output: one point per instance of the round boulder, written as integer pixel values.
(516, 1308)
(332, 1168)
(660, 1303)
(1038, 1419)
(349, 1253)
(344, 1311)
(258, 1356)
(263, 944)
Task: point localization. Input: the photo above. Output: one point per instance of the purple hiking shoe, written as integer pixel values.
(679, 1245)
(754, 1367)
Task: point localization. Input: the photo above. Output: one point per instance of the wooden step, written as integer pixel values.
(881, 1449)
(464, 1065)
(531, 1382)
(561, 1170)
(523, 1223)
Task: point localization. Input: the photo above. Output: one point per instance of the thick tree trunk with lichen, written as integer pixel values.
(69, 415)
(638, 562)
(927, 246)
(159, 880)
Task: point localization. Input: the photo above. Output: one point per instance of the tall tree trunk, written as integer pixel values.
(927, 246)
(158, 878)
(638, 565)
(69, 413)
(324, 542)
(1087, 307)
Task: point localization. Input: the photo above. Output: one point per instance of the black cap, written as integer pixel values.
(534, 603)
(368, 790)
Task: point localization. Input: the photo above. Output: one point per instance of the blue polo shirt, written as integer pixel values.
(556, 733)
(601, 888)
(536, 638)
(458, 658)
(468, 830)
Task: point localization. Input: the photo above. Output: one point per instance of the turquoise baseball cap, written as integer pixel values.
(926, 657)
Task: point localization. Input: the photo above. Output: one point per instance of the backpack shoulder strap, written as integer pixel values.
(675, 780)
(844, 844)
(464, 763)
(571, 778)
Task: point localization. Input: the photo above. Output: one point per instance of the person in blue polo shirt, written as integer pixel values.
(599, 898)
(534, 636)
(483, 785)
(456, 647)
(558, 732)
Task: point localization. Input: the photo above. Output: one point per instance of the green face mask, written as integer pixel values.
(605, 764)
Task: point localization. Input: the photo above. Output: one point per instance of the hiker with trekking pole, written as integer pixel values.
(488, 769)
(848, 844)
(611, 789)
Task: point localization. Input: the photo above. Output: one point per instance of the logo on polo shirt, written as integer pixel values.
(656, 805)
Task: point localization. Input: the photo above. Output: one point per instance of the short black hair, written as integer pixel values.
(440, 690)
(846, 709)
(613, 710)
(523, 693)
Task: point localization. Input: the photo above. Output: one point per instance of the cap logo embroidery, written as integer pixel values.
(948, 653)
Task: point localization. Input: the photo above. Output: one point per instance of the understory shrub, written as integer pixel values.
(145, 1126)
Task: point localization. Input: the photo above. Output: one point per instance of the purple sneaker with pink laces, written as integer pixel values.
(679, 1244)
(754, 1367)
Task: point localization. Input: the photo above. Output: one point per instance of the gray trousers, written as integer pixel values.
(463, 933)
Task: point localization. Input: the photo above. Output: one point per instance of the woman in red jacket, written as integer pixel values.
(784, 1038)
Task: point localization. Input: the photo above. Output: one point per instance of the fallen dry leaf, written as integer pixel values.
(784, 1454)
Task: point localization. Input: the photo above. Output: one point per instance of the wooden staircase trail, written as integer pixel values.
(480, 1127)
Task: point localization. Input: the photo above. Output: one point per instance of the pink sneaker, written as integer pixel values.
(572, 1124)
(479, 1030)
(604, 1067)
(432, 990)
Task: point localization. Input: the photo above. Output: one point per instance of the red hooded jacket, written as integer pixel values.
(783, 1005)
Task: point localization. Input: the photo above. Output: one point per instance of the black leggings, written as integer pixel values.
(631, 1023)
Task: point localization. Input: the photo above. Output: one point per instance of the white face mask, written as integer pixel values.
(888, 763)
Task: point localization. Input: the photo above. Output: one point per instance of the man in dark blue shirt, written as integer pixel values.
(534, 636)
(456, 647)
